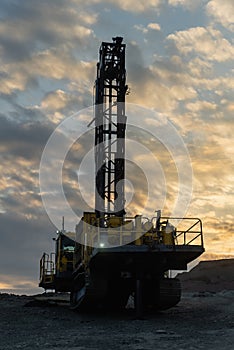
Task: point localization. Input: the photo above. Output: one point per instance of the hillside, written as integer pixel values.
(211, 276)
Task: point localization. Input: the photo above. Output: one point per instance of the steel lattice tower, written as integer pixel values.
(110, 125)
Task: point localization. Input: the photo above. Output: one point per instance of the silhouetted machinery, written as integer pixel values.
(114, 256)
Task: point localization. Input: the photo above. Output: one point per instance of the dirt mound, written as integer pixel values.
(210, 276)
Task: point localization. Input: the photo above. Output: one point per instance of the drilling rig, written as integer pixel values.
(115, 256)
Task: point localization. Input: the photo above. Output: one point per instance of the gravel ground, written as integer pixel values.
(200, 321)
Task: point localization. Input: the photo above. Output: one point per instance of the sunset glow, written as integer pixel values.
(179, 63)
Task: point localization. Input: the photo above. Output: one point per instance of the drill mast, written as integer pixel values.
(110, 125)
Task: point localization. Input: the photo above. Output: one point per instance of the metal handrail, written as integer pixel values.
(47, 266)
(189, 230)
(120, 232)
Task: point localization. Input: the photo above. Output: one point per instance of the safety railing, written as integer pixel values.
(188, 230)
(47, 267)
(183, 231)
(102, 237)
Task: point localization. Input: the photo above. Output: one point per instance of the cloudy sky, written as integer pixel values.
(179, 63)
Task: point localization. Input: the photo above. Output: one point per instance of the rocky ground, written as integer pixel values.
(204, 319)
